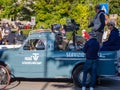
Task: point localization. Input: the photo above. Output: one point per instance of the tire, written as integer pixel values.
(78, 76)
(4, 77)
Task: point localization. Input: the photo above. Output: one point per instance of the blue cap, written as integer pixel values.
(111, 23)
(92, 33)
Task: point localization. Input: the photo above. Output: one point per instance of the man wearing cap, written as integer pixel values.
(90, 49)
(98, 23)
(113, 42)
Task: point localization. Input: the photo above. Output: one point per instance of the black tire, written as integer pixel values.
(4, 77)
(78, 76)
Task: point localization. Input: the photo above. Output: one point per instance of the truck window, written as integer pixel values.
(40, 45)
(34, 44)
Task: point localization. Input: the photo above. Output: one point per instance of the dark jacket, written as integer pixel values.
(10, 38)
(113, 42)
(19, 37)
(91, 48)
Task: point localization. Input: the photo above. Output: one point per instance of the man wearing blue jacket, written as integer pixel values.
(113, 42)
(90, 49)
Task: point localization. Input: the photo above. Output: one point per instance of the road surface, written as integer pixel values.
(112, 83)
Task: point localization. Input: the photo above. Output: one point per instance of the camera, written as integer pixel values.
(71, 25)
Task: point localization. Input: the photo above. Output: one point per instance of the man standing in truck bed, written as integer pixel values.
(98, 23)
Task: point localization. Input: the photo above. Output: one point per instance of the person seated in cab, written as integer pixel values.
(113, 42)
(58, 41)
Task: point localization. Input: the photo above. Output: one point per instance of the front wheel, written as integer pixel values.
(78, 76)
(4, 77)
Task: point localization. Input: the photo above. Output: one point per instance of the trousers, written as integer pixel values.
(90, 66)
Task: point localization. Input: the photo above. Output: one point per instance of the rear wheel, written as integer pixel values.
(78, 76)
(4, 77)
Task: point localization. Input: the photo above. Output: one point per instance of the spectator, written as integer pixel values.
(113, 42)
(7, 27)
(7, 35)
(28, 25)
(99, 23)
(91, 49)
(5, 41)
(9, 39)
(6, 30)
(1, 32)
(63, 32)
(19, 37)
(0, 37)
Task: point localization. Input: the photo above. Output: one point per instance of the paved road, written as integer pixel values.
(106, 84)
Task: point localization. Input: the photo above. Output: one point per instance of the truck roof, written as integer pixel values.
(40, 31)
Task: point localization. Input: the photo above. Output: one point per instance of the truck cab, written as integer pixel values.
(38, 58)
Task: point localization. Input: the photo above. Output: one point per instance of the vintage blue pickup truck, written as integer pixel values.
(38, 58)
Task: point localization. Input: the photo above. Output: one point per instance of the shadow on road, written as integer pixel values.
(109, 84)
(44, 79)
(13, 83)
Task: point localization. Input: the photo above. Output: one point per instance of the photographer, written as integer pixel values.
(58, 36)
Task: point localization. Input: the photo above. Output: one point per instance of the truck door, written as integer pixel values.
(33, 57)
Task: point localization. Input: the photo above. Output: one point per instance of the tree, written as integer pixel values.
(6, 8)
(48, 12)
(115, 9)
(114, 6)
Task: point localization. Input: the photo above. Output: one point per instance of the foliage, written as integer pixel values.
(48, 12)
(115, 9)
(114, 6)
(5, 5)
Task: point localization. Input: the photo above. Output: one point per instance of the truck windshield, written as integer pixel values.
(34, 44)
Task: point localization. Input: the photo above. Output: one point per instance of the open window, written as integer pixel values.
(34, 44)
